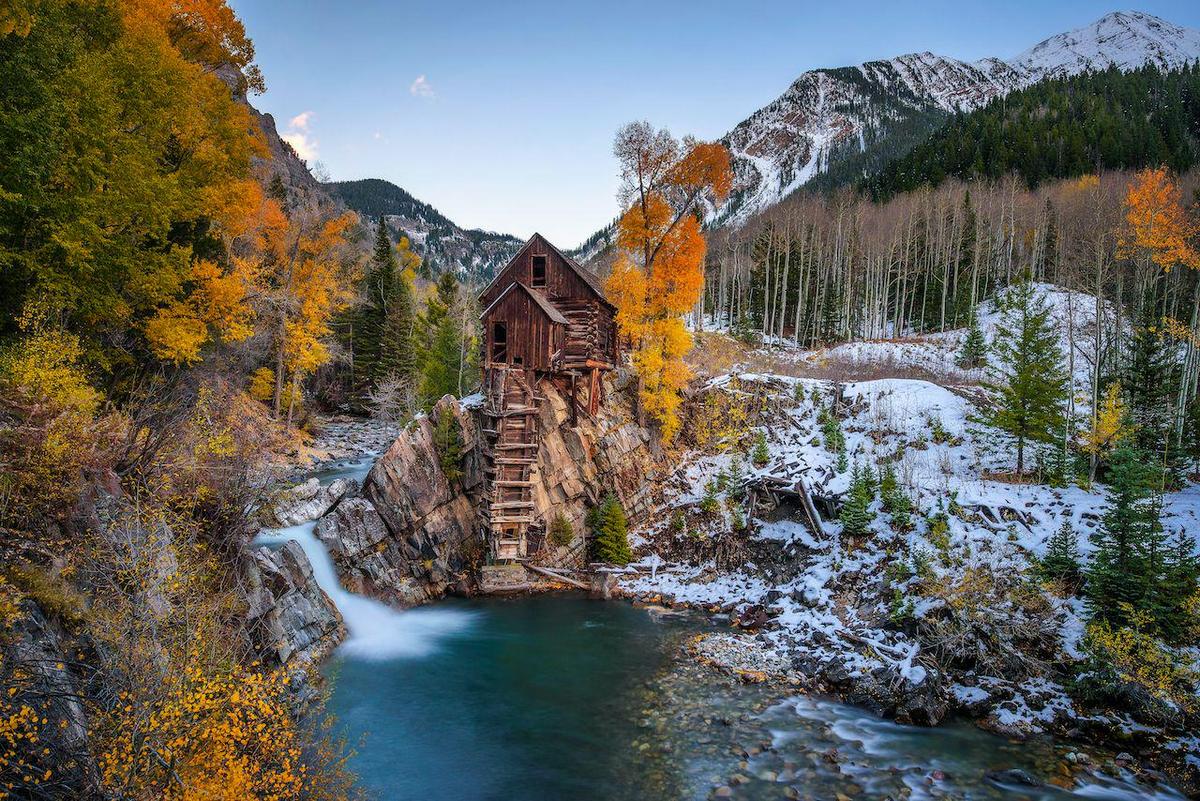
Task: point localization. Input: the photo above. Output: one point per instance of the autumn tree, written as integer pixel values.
(658, 277)
(124, 150)
(1110, 425)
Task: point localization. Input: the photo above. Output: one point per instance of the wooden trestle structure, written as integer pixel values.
(511, 453)
(545, 318)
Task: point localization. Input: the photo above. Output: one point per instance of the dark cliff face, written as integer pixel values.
(413, 536)
(280, 159)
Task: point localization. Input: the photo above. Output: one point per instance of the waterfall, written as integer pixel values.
(375, 631)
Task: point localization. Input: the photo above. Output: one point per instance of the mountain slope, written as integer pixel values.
(440, 242)
(1062, 128)
(833, 126)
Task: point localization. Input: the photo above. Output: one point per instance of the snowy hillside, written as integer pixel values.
(855, 118)
(868, 603)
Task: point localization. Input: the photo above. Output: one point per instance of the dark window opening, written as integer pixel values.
(499, 342)
(539, 271)
(518, 361)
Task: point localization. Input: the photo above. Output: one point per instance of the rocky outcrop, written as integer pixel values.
(370, 561)
(308, 501)
(36, 664)
(579, 463)
(290, 617)
(413, 535)
(431, 522)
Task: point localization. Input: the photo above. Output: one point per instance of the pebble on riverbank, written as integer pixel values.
(743, 657)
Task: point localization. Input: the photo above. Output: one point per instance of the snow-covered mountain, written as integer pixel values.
(439, 241)
(836, 124)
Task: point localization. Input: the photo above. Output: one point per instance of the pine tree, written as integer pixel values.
(448, 443)
(1029, 361)
(973, 353)
(1061, 562)
(610, 532)
(1151, 381)
(1122, 573)
(760, 454)
(444, 357)
(895, 500)
(856, 514)
(1176, 587)
(561, 531)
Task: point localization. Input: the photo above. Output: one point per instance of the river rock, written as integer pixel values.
(308, 501)
(290, 617)
(369, 560)
(1013, 776)
(891, 695)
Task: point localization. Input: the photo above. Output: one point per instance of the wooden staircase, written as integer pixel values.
(513, 438)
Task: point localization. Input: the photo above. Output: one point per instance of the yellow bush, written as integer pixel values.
(1141, 659)
(50, 432)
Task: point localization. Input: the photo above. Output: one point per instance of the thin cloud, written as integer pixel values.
(300, 121)
(300, 138)
(421, 87)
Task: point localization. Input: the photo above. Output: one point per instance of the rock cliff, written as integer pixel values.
(412, 535)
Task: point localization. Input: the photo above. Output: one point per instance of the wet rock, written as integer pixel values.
(308, 501)
(890, 695)
(1011, 777)
(290, 617)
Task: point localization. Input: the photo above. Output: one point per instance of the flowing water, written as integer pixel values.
(560, 697)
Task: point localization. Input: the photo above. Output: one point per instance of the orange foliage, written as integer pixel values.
(659, 272)
(1156, 223)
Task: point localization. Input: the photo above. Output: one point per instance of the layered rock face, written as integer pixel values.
(289, 615)
(412, 535)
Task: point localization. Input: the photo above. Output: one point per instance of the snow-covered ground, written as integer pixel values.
(840, 600)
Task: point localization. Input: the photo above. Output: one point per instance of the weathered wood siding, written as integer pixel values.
(591, 331)
(532, 336)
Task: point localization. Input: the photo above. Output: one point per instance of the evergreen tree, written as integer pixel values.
(856, 514)
(610, 532)
(1122, 573)
(444, 361)
(1177, 587)
(973, 353)
(561, 531)
(1061, 562)
(1151, 381)
(1029, 361)
(448, 443)
(895, 500)
(760, 454)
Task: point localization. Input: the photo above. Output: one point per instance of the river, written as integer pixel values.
(561, 697)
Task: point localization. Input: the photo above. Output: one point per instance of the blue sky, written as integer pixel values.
(502, 115)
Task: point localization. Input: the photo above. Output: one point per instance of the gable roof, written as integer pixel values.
(588, 277)
(553, 313)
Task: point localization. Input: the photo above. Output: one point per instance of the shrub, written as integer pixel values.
(448, 442)
(939, 532)
(1123, 656)
(561, 530)
(760, 454)
(610, 532)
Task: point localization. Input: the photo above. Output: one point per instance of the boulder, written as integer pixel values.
(290, 617)
(309, 501)
(890, 695)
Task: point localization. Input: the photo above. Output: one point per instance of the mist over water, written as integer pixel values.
(375, 631)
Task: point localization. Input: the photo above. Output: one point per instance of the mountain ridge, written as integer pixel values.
(832, 115)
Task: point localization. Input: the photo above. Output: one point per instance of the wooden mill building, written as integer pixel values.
(545, 318)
